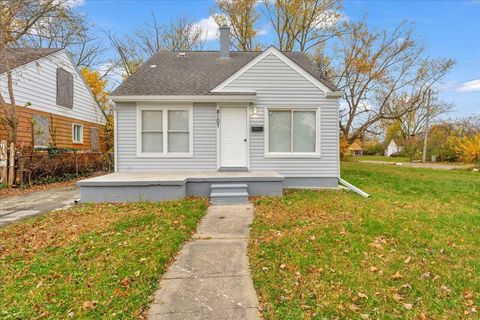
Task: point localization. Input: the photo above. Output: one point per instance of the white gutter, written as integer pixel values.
(194, 98)
(353, 188)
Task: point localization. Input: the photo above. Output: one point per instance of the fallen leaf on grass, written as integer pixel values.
(408, 306)
(362, 295)
(89, 304)
(364, 316)
(397, 297)
(125, 282)
(407, 261)
(373, 269)
(397, 276)
(467, 294)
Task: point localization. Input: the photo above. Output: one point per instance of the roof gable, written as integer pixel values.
(18, 57)
(323, 85)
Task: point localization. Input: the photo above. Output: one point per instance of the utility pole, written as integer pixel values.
(427, 123)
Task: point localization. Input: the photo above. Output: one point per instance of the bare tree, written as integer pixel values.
(69, 30)
(16, 20)
(376, 70)
(182, 34)
(414, 122)
(303, 24)
(241, 16)
(128, 56)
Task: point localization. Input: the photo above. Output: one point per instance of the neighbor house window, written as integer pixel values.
(165, 131)
(64, 88)
(77, 133)
(292, 131)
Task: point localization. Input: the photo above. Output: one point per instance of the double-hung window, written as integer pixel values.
(165, 131)
(77, 133)
(292, 132)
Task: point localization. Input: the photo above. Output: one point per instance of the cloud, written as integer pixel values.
(469, 86)
(263, 31)
(330, 19)
(209, 28)
(72, 3)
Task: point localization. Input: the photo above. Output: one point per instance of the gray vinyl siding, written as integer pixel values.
(204, 142)
(278, 85)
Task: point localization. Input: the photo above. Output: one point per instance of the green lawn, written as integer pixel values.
(412, 251)
(92, 261)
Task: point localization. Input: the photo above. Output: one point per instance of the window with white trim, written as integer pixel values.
(292, 131)
(77, 133)
(165, 131)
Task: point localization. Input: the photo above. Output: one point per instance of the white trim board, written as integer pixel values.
(281, 56)
(193, 98)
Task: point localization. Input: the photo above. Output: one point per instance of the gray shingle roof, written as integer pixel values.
(196, 73)
(19, 57)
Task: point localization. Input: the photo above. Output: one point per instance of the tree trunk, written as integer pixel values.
(11, 115)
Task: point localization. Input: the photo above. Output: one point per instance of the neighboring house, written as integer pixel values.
(263, 119)
(54, 104)
(394, 147)
(355, 149)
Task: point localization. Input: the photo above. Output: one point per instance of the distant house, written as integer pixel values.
(355, 149)
(394, 147)
(55, 105)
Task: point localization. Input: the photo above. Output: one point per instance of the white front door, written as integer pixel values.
(233, 137)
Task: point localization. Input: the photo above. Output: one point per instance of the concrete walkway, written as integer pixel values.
(418, 165)
(210, 278)
(35, 203)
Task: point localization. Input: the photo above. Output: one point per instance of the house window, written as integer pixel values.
(292, 131)
(165, 131)
(64, 88)
(77, 133)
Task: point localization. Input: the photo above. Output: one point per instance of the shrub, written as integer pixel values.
(59, 165)
(375, 149)
(468, 148)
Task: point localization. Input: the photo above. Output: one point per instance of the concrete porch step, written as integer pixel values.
(229, 193)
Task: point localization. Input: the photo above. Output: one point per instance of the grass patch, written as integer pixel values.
(412, 251)
(92, 261)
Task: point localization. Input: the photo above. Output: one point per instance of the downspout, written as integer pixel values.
(353, 188)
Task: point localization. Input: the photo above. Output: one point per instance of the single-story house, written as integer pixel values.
(355, 149)
(54, 104)
(224, 124)
(393, 148)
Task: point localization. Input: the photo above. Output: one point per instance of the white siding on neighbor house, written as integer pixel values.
(36, 83)
(204, 142)
(278, 85)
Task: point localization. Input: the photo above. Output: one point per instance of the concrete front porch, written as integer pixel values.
(157, 186)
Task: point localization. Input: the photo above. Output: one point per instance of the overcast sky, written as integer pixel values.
(448, 29)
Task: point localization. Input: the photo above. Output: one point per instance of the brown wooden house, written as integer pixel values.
(55, 106)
